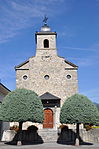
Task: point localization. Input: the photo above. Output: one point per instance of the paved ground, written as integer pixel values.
(49, 146)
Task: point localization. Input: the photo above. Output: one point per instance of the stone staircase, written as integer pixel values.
(48, 135)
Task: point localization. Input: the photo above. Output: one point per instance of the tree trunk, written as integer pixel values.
(20, 125)
(77, 135)
(20, 134)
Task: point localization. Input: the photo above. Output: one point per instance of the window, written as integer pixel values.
(46, 77)
(46, 43)
(25, 77)
(68, 76)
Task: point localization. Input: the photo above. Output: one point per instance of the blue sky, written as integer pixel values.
(77, 25)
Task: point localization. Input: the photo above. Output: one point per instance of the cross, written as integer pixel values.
(45, 20)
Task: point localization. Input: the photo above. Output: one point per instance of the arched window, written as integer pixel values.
(46, 43)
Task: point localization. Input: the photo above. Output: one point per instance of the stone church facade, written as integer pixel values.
(52, 77)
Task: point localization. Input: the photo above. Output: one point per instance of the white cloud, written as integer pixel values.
(65, 33)
(84, 56)
(19, 14)
(81, 49)
(81, 61)
(85, 61)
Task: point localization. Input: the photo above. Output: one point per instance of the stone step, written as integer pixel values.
(47, 130)
(48, 135)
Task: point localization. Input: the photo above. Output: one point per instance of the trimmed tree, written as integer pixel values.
(97, 105)
(20, 106)
(78, 109)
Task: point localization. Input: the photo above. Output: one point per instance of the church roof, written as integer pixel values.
(70, 63)
(49, 96)
(18, 66)
(45, 33)
(4, 90)
(66, 61)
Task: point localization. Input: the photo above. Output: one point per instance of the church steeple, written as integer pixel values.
(45, 40)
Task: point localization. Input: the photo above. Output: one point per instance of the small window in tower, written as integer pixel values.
(46, 43)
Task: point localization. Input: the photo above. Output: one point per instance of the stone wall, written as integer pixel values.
(68, 136)
(57, 70)
(50, 135)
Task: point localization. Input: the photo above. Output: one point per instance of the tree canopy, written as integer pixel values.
(97, 105)
(21, 105)
(79, 109)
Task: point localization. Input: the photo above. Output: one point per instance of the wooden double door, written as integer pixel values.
(48, 118)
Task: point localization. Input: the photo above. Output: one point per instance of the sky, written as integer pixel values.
(77, 25)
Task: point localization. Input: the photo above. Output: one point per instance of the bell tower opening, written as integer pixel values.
(46, 43)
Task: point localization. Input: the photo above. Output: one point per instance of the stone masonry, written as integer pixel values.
(46, 62)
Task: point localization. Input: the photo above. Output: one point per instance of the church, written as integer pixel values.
(52, 77)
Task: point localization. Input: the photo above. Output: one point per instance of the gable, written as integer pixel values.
(71, 64)
(49, 96)
(23, 65)
(3, 90)
(68, 64)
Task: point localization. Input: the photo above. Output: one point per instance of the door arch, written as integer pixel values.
(48, 118)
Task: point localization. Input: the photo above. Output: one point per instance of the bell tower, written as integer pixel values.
(45, 41)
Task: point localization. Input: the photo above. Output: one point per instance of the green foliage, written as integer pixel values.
(95, 126)
(79, 109)
(97, 105)
(21, 105)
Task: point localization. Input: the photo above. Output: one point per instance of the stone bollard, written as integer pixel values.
(19, 143)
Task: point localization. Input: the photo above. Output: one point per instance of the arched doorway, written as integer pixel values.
(48, 118)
